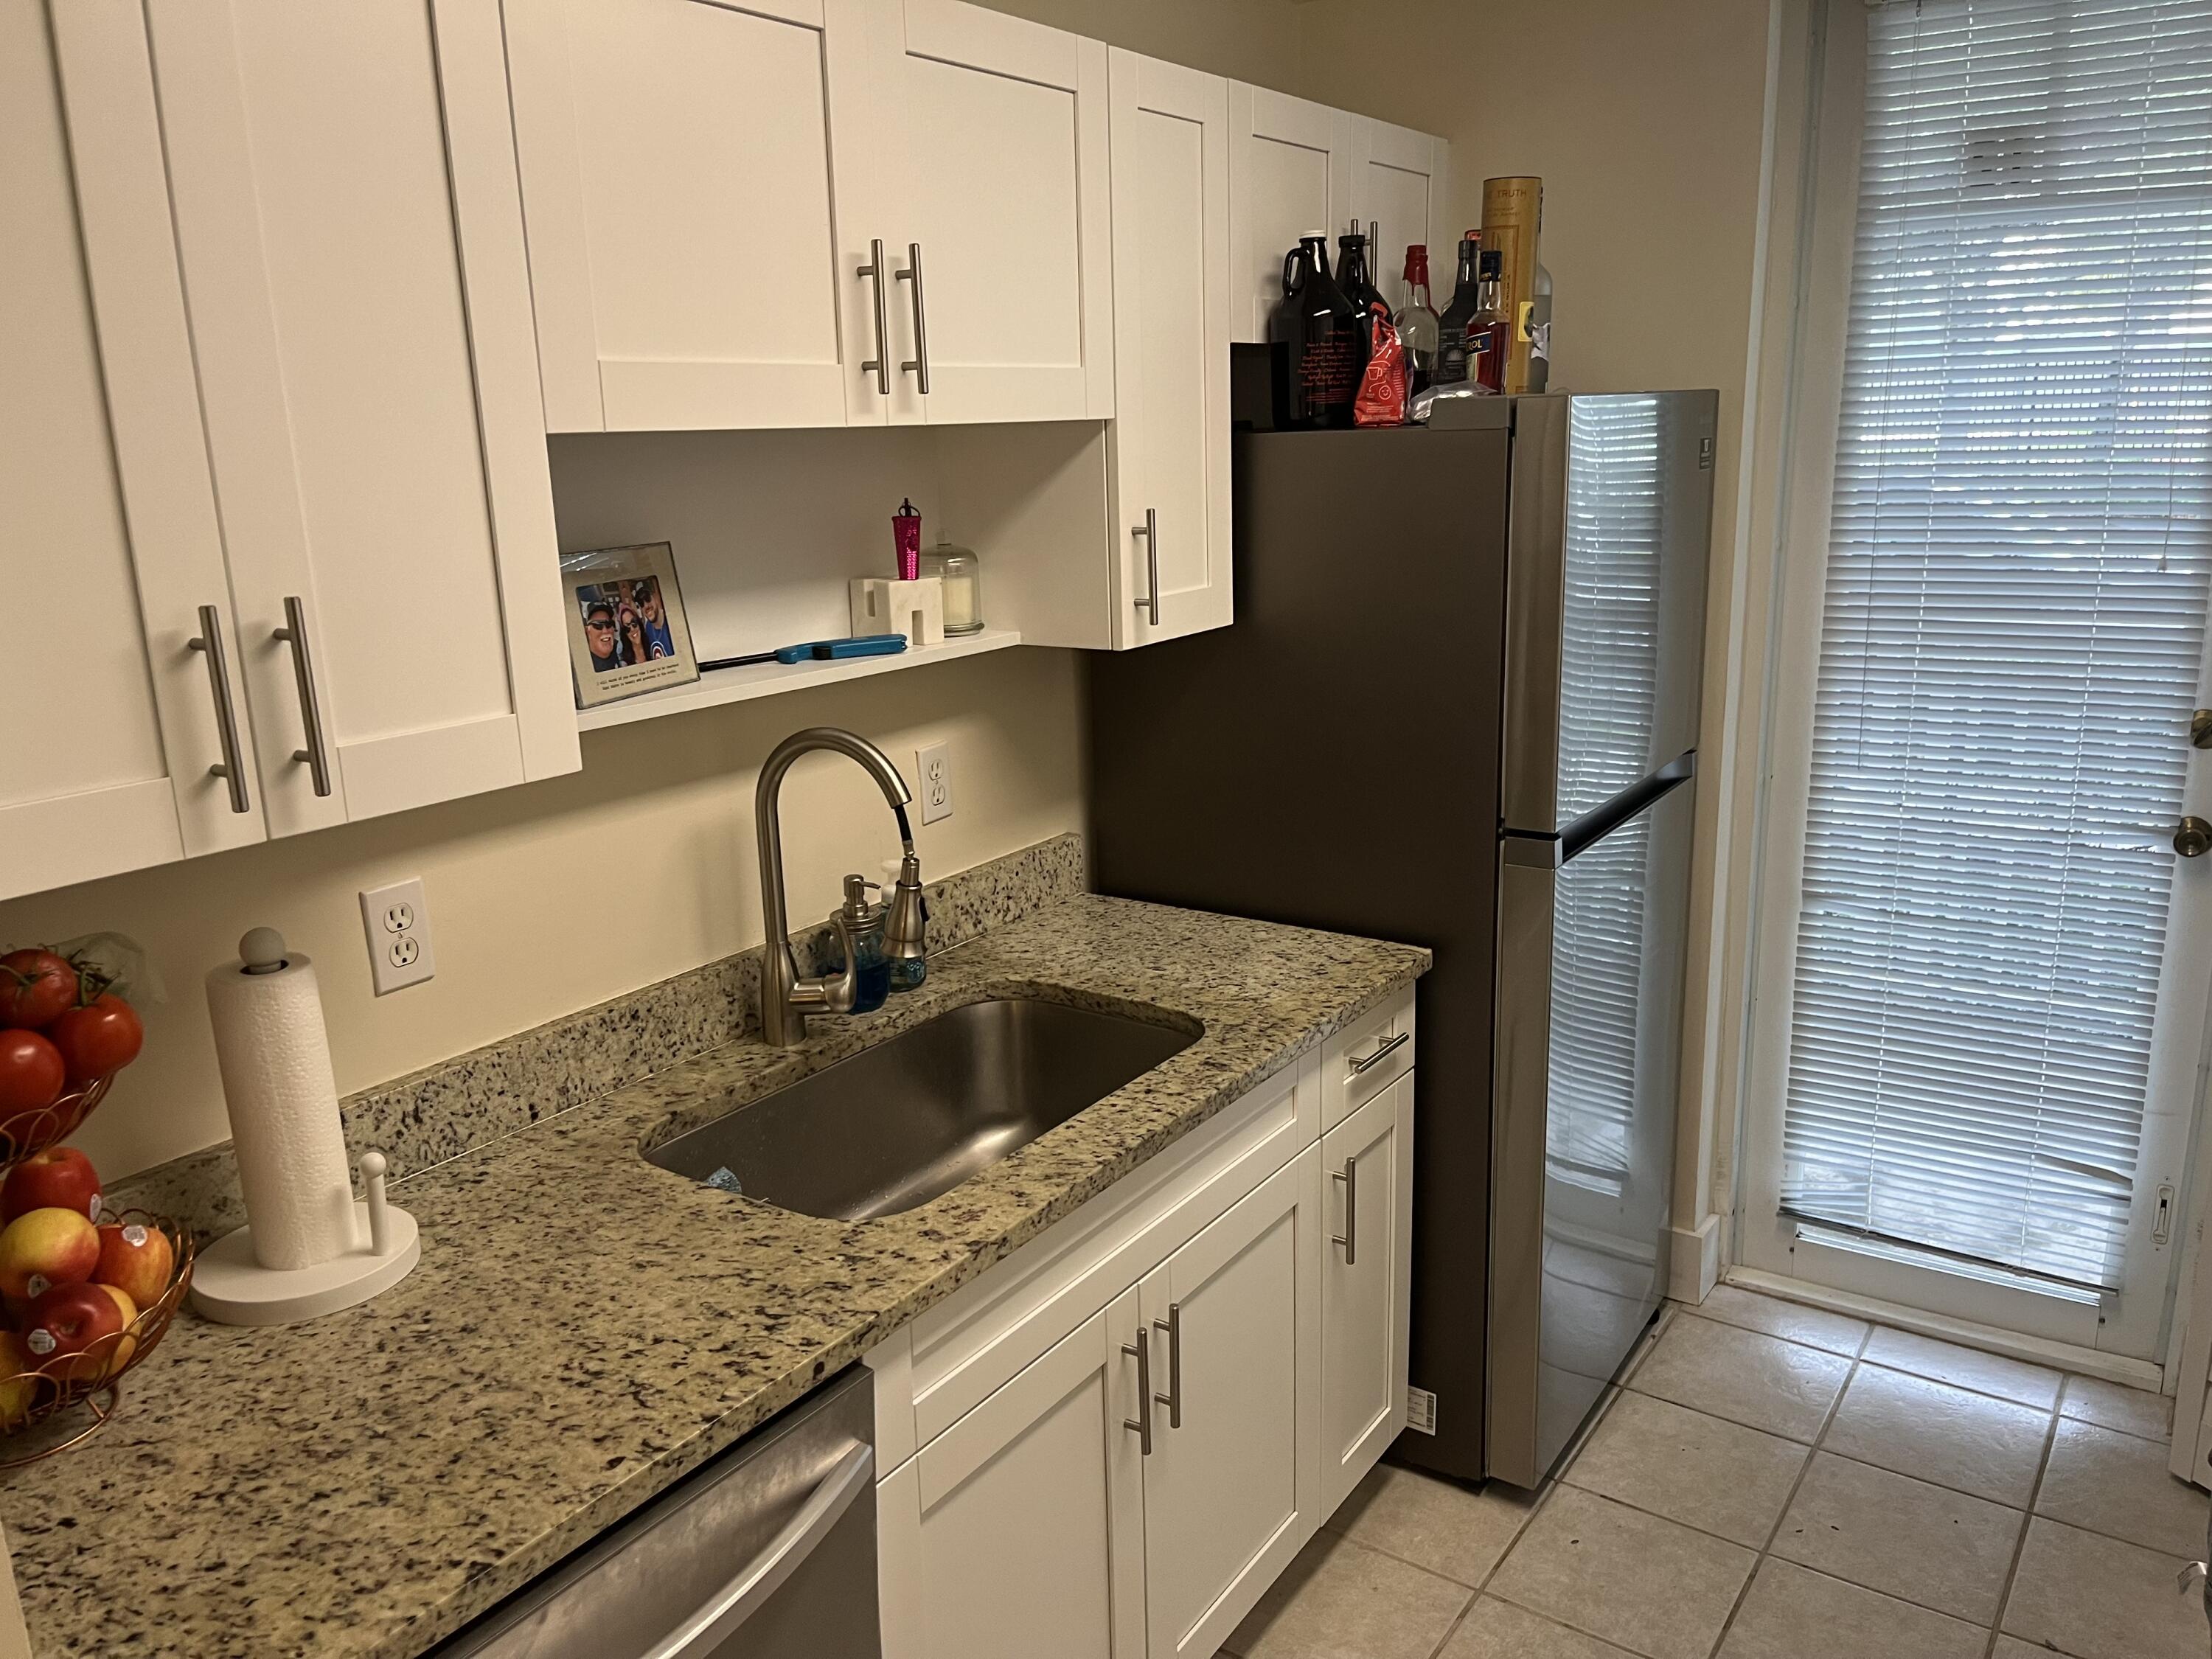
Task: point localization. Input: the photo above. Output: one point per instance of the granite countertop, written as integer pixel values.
(585, 1328)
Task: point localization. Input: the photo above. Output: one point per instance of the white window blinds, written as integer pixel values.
(1609, 659)
(2013, 627)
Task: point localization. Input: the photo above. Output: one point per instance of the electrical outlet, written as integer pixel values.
(933, 766)
(397, 922)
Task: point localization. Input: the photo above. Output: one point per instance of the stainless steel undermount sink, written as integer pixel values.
(895, 1126)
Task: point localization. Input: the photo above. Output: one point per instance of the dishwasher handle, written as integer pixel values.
(760, 1577)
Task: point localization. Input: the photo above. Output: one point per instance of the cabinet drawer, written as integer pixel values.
(956, 1354)
(1365, 1058)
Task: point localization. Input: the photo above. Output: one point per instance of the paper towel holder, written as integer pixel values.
(231, 1287)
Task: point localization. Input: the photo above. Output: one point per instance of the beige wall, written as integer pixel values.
(559, 895)
(1255, 41)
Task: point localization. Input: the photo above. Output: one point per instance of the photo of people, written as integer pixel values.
(630, 635)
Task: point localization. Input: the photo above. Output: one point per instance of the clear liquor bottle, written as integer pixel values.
(1416, 320)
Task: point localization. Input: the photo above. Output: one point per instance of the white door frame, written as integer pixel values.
(2138, 1325)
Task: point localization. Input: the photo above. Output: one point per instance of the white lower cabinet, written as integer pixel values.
(1019, 1531)
(1113, 1442)
(1232, 1489)
(1367, 1162)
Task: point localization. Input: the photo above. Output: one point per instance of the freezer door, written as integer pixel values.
(1591, 929)
(1610, 508)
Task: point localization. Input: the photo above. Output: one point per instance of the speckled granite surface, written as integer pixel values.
(584, 1328)
(449, 1108)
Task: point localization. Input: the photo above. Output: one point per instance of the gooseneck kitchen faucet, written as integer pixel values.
(787, 998)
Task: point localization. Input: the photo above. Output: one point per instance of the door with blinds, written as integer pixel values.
(1983, 967)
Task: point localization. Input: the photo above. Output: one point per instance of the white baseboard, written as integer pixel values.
(1694, 1266)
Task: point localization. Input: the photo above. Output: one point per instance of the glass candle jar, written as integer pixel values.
(962, 574)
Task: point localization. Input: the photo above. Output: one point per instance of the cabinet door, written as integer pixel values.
(1399, 188)
(991, 134)
(1366, 1286)
(678, 184)
(1019, 1530)
(343, 185)
(1290, 175)
(108, 535)
(1233, 1492)
(1169, 450)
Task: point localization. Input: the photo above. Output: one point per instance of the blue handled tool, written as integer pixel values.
(867, 645)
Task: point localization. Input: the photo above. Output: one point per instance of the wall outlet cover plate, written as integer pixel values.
(396, 919)
(932, 770)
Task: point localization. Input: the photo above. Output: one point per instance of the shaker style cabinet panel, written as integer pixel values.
(986, 143)
(1019, 1530)
(680, 184)
(1168, 452)
(107, 520)
(1232, 1493)
(1366, 1307)
(1290, 175)
(1399, 190)
(342, 182)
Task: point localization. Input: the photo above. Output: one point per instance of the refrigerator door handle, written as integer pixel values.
(1595, 825)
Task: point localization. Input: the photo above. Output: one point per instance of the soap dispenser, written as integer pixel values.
(863, 922)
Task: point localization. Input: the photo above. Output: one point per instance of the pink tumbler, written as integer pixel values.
(905, 537)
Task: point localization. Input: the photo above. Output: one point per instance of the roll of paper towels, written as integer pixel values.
(283, 1101)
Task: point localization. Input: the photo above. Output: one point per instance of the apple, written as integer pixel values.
(44, 1248)
(136, 1260)
(18, 1387)
(127, 1343)
(59, 1178)
(71, 1329)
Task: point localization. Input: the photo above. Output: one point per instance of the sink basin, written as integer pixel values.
(894, 1126)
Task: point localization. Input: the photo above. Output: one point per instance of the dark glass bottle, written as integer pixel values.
(1451, 327)
(1323, 336)
(1353, 277)
(1490, 333)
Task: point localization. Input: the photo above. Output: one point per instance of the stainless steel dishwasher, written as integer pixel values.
(767, 1552)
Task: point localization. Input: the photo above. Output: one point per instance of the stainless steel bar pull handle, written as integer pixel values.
(231, 769)
(880, 364)
(917, 365)
(1150, 530)
(1349, 1175)
(1382, 1052)
(1142, 1422)
(1173, 1398)
(316, 754)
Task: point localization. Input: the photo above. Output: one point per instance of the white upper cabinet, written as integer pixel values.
(108, 519)
(1399, 192)
(986, 143)
(1168, 451)
(680, 184)
(1290, 175)
(343, 181)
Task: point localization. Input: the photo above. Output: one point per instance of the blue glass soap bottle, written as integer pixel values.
(864, 922)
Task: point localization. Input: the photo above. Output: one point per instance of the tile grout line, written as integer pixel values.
(1765, 1551)
(2027, 1520)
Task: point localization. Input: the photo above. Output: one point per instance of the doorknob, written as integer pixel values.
(2192, 838)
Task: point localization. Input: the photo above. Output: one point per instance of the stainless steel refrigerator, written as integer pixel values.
(1458, 707)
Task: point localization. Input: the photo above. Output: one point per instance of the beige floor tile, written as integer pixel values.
(2118, 1484)
(1497, 1630)
(1963, 1368)
(2108, 1405)
(1971, 1442)
(2011, 1647)
(1641, 1583)
(1339, 1599)
(1815, 1328)
(2095, 1597)
(1791, 1614)
(1906, 1538)
(1433, 1523)
(1746, 1376)
(1705, 1472)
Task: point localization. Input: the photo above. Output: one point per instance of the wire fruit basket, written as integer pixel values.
(92, 1376)
(24, 1133)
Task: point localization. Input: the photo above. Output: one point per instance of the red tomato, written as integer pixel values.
(31, 1071)
(102, 1036)
(36, 989)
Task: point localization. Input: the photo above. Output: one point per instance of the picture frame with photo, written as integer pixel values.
(627, 631)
